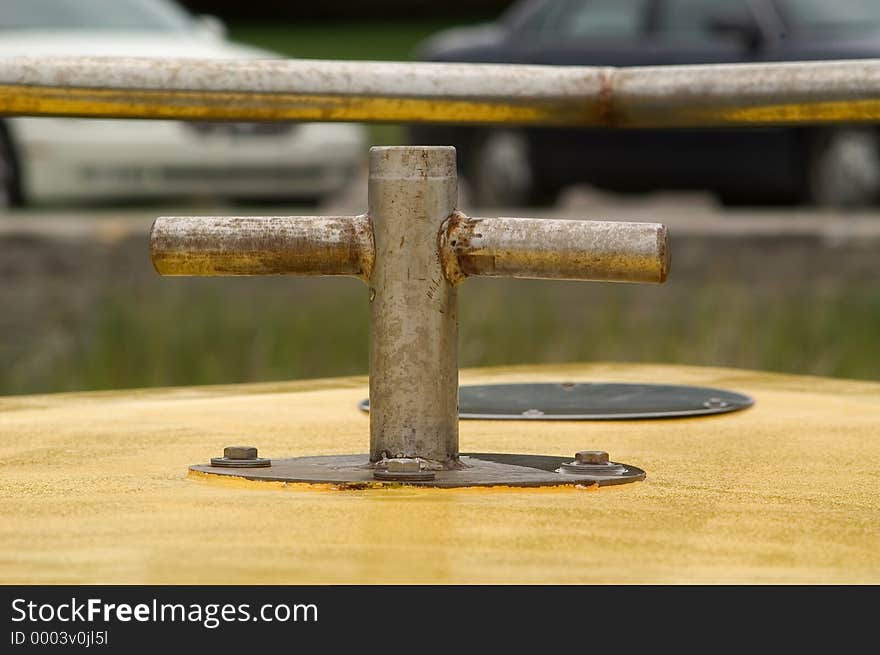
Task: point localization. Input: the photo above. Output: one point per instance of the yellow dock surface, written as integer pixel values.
(94, 488)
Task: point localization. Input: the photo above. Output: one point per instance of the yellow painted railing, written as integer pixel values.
(313, 90)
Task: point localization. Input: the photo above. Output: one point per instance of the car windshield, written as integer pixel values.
(835, 15)
(597, 19)
(139, 15)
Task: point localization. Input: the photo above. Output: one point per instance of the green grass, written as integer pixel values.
(180, 332)
(381, 40)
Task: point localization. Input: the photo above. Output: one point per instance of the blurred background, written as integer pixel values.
(775, 232)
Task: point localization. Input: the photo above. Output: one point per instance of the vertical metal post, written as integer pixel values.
(413, 307)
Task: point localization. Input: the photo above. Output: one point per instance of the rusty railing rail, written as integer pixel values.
(314, 90)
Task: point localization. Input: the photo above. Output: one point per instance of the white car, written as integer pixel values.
(69, 160)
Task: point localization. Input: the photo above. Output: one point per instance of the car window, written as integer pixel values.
(692, 19)
(149, 15)
(597, 19)
(836, 15)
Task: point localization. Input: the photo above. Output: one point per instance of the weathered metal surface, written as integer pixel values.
(474, 470)
(747, 94)
(413, 308)
(257, 245)
(554, 249)
(343, 245)
(592, 401)
(685, 96)
(295, 90)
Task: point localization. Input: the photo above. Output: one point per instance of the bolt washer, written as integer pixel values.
(593, 470)
(402, 469)
(415, 476)
(225, 462)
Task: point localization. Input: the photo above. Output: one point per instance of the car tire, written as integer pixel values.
(500, 173)
(739, 199)
(844, 168)
(10, 192)
(305, 202)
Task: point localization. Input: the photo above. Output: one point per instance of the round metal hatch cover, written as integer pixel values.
(588, 401)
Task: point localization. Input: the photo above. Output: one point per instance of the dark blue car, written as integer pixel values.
(837, 166)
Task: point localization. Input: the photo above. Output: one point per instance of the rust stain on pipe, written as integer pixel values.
(283, 245)
(605, 100)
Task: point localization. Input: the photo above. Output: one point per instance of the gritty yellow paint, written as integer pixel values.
(774, 113)
(227, 105)
(223, 105)
(94, 488)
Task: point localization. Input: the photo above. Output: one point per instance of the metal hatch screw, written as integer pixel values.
(714, 403)
(591, 457)
(240, 457)
(240, 452)
(592, 463)
(403, 469)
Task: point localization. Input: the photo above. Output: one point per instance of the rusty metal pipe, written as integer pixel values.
(413, 248)
(413, 308)
(554, 249)
(282, 245)
(279, 90)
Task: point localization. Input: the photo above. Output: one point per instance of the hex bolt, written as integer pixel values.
(592, 464)
(591, 457)
(403, 469)
(240, 452)
(403, 465)
(240, 457)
